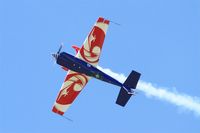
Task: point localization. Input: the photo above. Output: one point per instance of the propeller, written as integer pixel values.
(55, 55)
(60, 48)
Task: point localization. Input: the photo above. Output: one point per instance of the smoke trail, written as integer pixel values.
(182, 100)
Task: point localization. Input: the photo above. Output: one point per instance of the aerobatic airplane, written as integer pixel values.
(82, 67)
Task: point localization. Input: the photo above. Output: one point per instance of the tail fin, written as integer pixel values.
(130, 83)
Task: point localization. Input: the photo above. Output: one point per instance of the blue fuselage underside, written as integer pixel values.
(78, 65)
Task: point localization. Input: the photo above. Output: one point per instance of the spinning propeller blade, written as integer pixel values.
(55, 55)
(60, 48)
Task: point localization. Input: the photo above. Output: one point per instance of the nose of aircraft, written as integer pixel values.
(55, 56)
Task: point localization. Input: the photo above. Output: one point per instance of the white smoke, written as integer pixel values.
(181, 100)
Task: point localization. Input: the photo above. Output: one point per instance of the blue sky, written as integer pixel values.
(158, 38)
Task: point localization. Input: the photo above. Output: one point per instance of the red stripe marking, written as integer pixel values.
(99, 35)
(64, 68)
(55, 110)
(67, 95)
(106, 21)
(100, 19)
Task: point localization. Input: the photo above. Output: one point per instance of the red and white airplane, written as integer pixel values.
(82, 67)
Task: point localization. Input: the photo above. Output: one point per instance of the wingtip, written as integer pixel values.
(55, 110)
(103, 20)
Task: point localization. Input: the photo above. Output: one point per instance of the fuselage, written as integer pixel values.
(78, 65)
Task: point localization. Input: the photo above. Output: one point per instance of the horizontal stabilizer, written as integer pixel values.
(123, 97)
(130, 83)
(132, 80)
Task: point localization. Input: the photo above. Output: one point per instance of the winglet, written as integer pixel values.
(76, 48)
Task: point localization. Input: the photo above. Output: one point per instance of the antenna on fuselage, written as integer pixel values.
(67, 118)
(115, 23)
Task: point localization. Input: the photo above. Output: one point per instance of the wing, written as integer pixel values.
(91, 49)
(72, 86)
